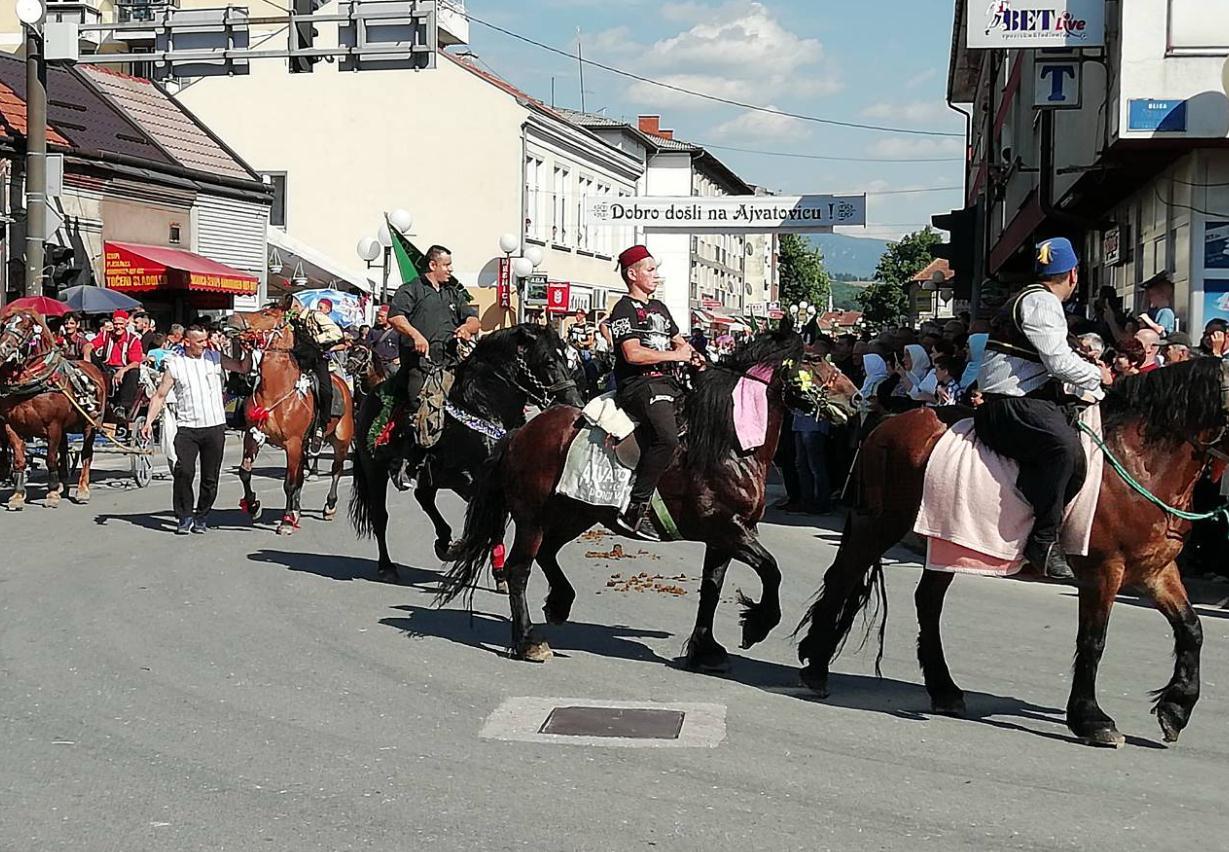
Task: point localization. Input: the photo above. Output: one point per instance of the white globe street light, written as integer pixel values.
(368, 248)
(508, 243)
(522, 267)
(29, 12)
(534, 255)
(401, 220)
(384, 235)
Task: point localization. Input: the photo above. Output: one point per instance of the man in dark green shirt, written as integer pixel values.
(427, 313)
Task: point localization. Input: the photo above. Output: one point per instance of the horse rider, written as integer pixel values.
(120, 355)
(646, 345)
(326, 334)
(1028, 361)
(427, 313)
(384, 343)
(71, 340)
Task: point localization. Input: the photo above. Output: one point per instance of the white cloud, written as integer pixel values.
(922, 78)
(917, 146)
(739, 50)
(761, 127)
(927, 112)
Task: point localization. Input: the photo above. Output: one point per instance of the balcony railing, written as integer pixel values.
(135, 11)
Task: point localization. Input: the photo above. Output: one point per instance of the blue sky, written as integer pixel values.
(880, 62)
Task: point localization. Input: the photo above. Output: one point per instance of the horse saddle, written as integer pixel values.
(431, 414)
(338, 406)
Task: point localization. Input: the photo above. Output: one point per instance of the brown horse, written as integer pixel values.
(714, 494)
(283, 410)
(36, 402)
(1166, 427)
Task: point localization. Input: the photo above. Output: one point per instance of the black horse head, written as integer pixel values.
(513, 367)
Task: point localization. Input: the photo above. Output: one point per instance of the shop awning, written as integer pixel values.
(711, 317)
(135, 267)
(319, 269)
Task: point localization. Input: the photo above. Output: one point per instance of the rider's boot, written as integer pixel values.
(1048, 557)
(631, 522)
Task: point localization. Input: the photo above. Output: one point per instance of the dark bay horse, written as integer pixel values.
(32, 405)
(715, 495)
(1166, 427)
(285, 412)
(508, 370)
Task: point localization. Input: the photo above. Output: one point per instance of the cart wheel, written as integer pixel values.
(142, 462)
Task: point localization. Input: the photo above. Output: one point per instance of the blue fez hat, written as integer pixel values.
(1056, 256)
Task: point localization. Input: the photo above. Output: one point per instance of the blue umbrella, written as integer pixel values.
(347, 308)
(88, 299)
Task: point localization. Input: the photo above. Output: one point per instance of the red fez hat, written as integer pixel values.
(120, 315)
(635, 254)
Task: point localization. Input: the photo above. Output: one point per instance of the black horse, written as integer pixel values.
(508, 370)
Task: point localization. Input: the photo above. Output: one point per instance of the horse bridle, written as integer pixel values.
(541, 394)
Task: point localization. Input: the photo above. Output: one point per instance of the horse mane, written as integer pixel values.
(710, 407)
(493, 355)
(1173, 403)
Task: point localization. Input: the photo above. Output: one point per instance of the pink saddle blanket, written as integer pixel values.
(974, 519)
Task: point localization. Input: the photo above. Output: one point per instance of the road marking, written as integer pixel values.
(522, 720)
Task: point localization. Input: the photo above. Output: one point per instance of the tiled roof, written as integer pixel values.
(590, 120)
(839, 319)
(166, 121)
(83, 117)
(13, 117)
(937, 265)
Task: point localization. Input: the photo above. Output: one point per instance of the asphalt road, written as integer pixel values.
(247, 691)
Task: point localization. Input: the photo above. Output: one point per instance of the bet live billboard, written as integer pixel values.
(1026, 24)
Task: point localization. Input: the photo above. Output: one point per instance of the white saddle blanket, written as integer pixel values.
(592, 472)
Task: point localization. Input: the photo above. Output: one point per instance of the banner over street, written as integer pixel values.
(729, 213)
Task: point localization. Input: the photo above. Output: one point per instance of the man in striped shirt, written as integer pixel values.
(196, 377)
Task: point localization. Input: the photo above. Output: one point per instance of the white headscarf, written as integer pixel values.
(919, 363)
(876, 371)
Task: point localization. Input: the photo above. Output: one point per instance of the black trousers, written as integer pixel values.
(1036, 434)
(128, 387)
(207, 444)
(651, 402)
(787, 461)
(324, 392)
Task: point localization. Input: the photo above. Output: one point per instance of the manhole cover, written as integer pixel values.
(631, 722)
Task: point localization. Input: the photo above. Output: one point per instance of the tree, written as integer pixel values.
(886, 299)
(803, 276)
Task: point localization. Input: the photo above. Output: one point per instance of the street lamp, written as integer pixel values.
(31, 14)
(370, 248)
(520, 268)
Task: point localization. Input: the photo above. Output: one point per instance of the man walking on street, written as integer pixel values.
(196, 378)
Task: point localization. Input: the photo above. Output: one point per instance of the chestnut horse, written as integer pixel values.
(1166, 427)
(32, 405)
(714, 493)
(284, 411)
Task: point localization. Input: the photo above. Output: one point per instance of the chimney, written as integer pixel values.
(650, 124)
(666, 134)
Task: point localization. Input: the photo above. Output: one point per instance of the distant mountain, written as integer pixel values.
(853, 255)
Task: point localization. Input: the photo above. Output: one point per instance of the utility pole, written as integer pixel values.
(36, 158)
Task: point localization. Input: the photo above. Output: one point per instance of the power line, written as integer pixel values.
(728, 101)
(833, 159)
(909, 191)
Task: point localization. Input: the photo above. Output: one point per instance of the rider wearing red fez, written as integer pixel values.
(646, 343)
(1028, 362)
(121, 355)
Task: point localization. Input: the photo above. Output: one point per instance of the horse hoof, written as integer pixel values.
(52, 501)
(953, 707)
(330, 514)
(537, 653)
(815, 680)
(1104, 738)
(285, 529)
(1172, 722)
(443, 550)
(82, 498)
(15, 504)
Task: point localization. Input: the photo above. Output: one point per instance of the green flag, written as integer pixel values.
(408, 258)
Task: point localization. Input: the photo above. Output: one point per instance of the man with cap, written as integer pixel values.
(120, 353)
(1028, 361)
(1177, 348)
(647, 345)
(384, 344)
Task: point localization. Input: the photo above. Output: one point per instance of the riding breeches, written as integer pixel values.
(651, 402)
(1035, 433)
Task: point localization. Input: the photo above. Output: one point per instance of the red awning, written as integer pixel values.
(136, 267)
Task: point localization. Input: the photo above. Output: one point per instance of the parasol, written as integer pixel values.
(89, 299)
(46, 306)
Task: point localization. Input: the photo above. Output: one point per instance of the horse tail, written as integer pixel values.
(360, 484)
(486, 520)
(851, 584)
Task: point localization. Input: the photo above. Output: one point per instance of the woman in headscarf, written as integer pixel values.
(977, 351)
(914, 367)
(876, 372)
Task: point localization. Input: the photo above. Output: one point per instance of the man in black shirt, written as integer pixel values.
(427, 313)
(385, 344)
(647, 345)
